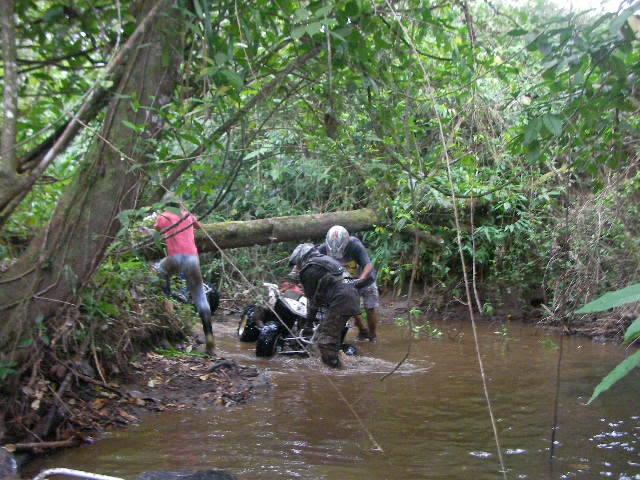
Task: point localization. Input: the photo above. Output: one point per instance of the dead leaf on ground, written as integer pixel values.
(127, 416)
(98, 403)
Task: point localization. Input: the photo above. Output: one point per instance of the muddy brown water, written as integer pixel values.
(429, 418)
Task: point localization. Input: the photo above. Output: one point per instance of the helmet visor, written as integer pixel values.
(336, 251)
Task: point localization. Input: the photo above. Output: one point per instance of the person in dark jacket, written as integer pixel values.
(323, 283)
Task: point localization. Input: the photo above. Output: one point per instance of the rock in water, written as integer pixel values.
(187, 475)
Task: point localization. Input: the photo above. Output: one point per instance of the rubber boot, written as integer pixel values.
(372, 322)
(210, 344)
(329, 355)
(363, 335)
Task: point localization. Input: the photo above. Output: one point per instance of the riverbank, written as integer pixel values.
(161, 380)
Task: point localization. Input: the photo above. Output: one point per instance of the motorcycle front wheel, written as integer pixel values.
(267, 343)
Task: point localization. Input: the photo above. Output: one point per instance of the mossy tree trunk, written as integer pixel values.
(297, 228)
(60, 260)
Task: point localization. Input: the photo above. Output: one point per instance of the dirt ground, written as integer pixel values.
(174, 379)
(160, 382)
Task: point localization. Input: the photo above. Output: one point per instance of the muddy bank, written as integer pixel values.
(162, 380)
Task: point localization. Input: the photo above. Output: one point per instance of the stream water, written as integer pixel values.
(429, 420)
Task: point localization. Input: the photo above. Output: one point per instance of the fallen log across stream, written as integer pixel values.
(296, 228)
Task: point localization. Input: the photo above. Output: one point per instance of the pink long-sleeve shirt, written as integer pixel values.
(182, 242)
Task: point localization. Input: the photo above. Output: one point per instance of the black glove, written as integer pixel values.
(359, 283)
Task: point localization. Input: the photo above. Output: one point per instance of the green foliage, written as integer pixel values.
(419, 329)
(173, 353)
(6, 369)
(589, 69)
(503, 335)
(633, 332)
(125, 311)
(606, 302)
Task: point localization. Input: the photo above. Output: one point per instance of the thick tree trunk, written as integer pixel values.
(9, 116)
(298, 228)
(59, 261)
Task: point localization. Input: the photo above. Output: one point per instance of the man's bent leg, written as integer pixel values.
(371, 301)
(167, 268)
(363, 333)
(191, 270)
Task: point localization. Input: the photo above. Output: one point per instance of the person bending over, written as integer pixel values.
(182, 257)
(322, 280)
(351, 254)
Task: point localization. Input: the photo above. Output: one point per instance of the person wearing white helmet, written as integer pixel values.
(351, 253)
(322, 280)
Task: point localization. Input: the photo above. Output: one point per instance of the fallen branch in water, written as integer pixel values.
(70, 442)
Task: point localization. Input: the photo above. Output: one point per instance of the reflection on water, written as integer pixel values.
(430, 417)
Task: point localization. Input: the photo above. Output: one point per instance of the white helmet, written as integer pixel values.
(300, 253)
(337, 241)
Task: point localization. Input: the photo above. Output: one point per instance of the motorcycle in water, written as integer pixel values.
(277, 326)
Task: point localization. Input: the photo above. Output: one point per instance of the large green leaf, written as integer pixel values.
(531, 131)
(617, 22)
(613, 299)
(616, 374)
(633, 331)
(553, 124)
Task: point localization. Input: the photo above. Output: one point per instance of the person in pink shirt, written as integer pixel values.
(182, 257)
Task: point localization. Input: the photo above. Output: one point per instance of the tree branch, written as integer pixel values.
(10, 198)
(404, 40)
(218, 132)
(33, 158)
(8, 162)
